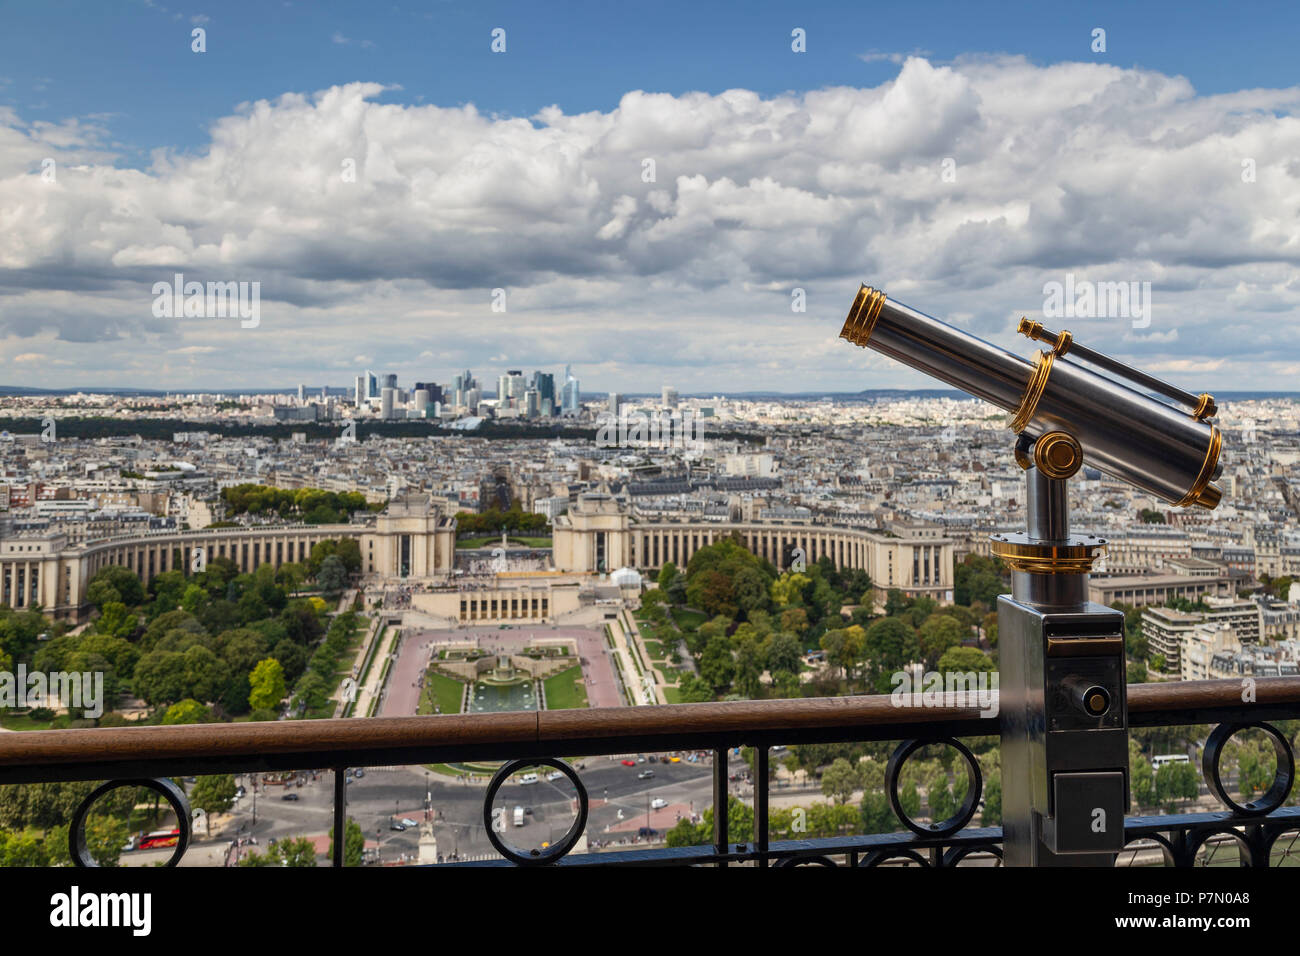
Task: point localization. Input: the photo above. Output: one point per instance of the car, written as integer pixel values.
(528, 811)
(408, 822)
(358, 772)
(629, 763)
(645, 775)
(397, 825)
(640, 759)
(650, 832)
(554, 775)
(658, 803)
(529, 778)
(290, 796)
(519, 816)
(652, 759)
(674, 759)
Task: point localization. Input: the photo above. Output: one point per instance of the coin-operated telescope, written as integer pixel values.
(1062, 669)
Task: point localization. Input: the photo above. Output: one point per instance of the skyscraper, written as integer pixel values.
(372, 385)
(571, 396)
(360, 392)
(544, 382)
(670, 397)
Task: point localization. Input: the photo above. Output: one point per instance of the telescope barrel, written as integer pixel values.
(1123, 432)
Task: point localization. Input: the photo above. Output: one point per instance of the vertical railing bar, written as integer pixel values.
(760, 803)
(340, 814)
(720, 802)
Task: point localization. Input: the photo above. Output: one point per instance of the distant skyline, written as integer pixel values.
(644, 191)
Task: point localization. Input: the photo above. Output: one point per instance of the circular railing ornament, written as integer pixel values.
(955, 856)
(1283, 776)
(546, 855)
(793, 861)
(168, 789)
(968, 805)
(1147, 842)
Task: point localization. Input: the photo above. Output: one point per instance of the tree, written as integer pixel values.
(266, 683)
(840, 780)
(992, 813)
(750, 588)
(965, 660)
(784, 653)
(890, 645)
(333, 576)
(354, 843)
(1142, 777)
(290, 851)
(105, 837)
(1174, 782)
(877, 814)
(716, 664)
(713, 593)
(694, 690)
(115, 583)
(937, 634)
(749, 668)
(188, 711)
(213, 794)
(666, 575)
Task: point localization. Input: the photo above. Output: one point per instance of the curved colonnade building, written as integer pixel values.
(415, 540)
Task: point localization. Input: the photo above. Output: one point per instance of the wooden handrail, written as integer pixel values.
(378, 740)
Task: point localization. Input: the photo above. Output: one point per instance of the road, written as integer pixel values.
(383, 795)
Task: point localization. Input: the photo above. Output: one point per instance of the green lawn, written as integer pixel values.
(564, 691)
(24, 722)
(441, 690)
(654, 649)
(487, 541)
(688, 620)
(672, 695)
(671, 674)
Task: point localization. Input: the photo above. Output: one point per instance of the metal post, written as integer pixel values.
(760, 803)
(340, 813)
(1062, 686)
(720, 802)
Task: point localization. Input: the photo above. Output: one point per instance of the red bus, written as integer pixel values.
(158, 839)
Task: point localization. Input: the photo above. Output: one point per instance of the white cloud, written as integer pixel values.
(1106, 173)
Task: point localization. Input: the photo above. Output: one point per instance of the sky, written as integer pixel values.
(672, 193)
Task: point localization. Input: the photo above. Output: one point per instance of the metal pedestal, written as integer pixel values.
(1062, 697)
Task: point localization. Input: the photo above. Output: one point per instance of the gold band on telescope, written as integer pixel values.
(1202, 492)
(1033, 391)
(1205, 407)
(1041, 558)
(863, 315)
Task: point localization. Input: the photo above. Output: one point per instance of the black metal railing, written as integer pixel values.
(1260, 831)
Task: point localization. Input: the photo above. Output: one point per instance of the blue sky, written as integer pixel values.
(652, 185)
(133, 60)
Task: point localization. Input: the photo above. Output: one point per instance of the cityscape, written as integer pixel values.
(472, 437)
(507, 559)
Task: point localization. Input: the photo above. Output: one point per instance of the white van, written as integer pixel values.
(529, 778)
(519, 816)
